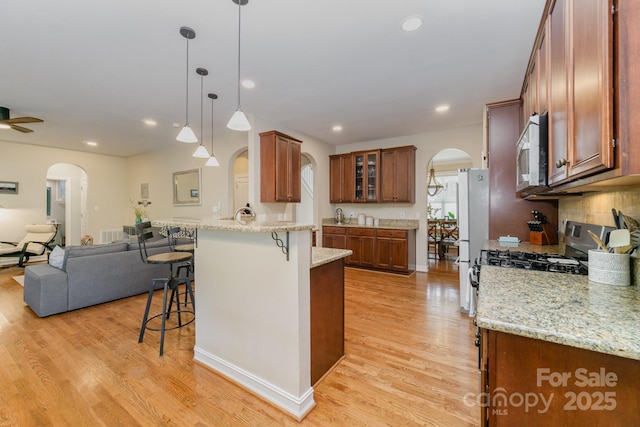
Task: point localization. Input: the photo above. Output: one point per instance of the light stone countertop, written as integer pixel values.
(321, 255)
(563, 308)
(393, 224)
(232, 225)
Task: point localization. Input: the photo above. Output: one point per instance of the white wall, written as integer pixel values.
(28, 164)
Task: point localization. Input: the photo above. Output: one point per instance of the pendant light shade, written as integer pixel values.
(212, 159)
(433, 185)
(186, 134)
(239, 121)
(201, 151)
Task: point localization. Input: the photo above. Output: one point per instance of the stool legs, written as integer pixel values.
(172, 284)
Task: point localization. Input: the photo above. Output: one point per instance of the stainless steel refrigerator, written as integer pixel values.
(473, 225)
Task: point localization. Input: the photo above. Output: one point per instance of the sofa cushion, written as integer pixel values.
(56, 257)
(80, 251)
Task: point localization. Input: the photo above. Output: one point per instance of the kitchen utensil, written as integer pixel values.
(616, 218)
(629, 222)
(619, 240)
(599, 242)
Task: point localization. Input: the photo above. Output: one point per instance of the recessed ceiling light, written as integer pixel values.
(248, 84)
(337, 128)
(412, 23)
(150, 122)
(3, 126)
(442, 108)
(92, 143)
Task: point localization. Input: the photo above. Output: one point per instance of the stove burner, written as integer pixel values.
(532, 261)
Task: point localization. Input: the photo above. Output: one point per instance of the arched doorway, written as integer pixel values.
(442, 202)
(67, 186)
(304, 211)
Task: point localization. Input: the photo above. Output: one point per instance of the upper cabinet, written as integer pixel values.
(367, 176)
(580, 88)
(280, 165)
(398, 174)
(374, 176)
(341, 178)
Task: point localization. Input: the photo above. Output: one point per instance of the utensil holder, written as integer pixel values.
(547, 236)
(635, 270)
(608, 268)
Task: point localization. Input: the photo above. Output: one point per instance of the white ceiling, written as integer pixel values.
(93, 70)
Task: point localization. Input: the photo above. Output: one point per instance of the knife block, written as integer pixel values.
(547, 236)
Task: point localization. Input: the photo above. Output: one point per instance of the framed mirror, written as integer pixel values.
(186, 188)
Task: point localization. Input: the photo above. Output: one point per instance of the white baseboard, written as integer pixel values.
(296, 406)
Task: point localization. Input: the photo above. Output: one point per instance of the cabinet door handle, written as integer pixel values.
(562, 162)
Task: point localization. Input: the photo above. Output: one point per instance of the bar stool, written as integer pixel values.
(189, 267)
(171, 282)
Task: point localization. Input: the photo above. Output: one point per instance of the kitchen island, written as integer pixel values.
(557, 349)
(253, 299)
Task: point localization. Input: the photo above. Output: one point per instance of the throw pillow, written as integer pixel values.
(56, 257)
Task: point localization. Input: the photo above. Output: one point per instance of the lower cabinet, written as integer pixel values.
(384, 249)
(361, 241)
(334, 237)
(392, 250)
(531, 382)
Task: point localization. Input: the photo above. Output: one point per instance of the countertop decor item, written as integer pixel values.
(609, 269)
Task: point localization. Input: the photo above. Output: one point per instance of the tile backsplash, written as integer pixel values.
(595, 208)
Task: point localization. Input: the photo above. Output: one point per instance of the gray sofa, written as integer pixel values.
(91, 275)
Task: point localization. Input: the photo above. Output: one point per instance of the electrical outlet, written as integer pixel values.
(401, 215)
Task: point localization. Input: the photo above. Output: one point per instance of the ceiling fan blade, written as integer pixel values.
(20, 129)
(22, 120)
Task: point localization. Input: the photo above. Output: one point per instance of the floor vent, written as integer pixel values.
(108, 236)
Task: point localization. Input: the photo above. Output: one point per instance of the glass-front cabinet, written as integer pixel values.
(367, 171)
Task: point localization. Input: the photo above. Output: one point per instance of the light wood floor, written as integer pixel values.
(410, 361)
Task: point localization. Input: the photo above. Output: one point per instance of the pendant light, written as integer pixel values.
(433, 185)
(212, 159)
(201, 151)
(186, 134)
(239, 121)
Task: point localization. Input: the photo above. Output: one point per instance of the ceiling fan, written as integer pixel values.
(7, 123)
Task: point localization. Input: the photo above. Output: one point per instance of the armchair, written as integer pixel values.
(36, 242)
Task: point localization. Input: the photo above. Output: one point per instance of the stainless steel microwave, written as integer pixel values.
(532, 157)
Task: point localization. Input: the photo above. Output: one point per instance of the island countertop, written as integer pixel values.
(320, 256)
(562, 308)
(232, 225)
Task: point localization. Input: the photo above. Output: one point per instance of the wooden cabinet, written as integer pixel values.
(341, 178)
(334, 237)
(398, 166)
(392, 250)
(562, 385)
(362, 242)
(280, 165)
(378, 248)
(580, 89)
(367, 176)
(326, 317)
(503, 129)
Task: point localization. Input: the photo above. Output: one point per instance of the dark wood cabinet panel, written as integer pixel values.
(542, 61)
(580, 89)
(508, 214)
(558, 92)
(334, 237)
(362, 242)
(279, 168)
(326, 317)
(341, 178)
(398, 167)
(576, 384)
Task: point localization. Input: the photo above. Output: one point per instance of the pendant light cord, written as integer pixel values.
(187, 85)
(239, 11)
(212, 126)
(201, 96)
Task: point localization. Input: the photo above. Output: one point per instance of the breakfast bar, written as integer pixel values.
(254, 306)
